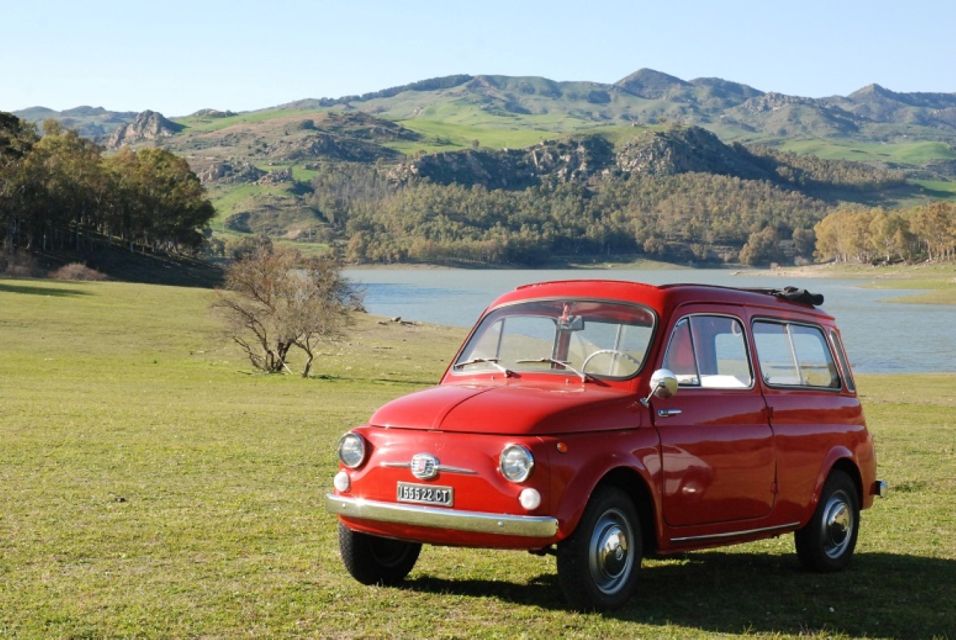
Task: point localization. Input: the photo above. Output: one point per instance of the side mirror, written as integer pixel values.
(663, 385)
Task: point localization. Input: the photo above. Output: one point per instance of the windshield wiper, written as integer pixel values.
(584, 376)
(492, 361)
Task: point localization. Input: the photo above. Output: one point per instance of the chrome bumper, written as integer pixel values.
(476, 521)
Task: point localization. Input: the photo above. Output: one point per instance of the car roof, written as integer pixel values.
(667, 296)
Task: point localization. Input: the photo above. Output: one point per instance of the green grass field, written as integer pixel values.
(152, 487)
(915, 153)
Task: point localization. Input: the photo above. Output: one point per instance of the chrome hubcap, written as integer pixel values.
(610, 552)
(837, 525)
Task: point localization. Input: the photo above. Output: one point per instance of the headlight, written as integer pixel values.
(352, 450)
(516, 462)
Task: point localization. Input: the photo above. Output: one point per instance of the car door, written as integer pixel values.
(813, 408)
(717, 446)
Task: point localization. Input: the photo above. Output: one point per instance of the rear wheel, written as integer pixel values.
(374, 560)
(598, 563)
(827, 542)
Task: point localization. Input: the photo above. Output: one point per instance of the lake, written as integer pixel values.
(881, 337)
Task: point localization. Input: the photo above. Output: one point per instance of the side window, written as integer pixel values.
(844, 361)
(794, 355)
(709, 352)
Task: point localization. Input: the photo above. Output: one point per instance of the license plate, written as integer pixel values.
(425, 494)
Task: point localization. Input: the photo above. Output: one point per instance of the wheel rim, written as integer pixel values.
(611, 552)
(389, 553)
(838, 523)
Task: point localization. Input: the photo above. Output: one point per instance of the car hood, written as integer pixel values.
(512, 409)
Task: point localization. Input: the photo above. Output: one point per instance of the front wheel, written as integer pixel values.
(598, 563)
(374, 560)
(827, 542)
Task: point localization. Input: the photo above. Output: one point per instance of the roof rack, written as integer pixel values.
(792, 294)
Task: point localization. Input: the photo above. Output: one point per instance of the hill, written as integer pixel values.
(280, 170)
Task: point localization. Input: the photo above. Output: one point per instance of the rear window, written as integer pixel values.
(794, 355)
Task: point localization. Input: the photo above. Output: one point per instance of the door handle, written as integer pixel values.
(667, 413)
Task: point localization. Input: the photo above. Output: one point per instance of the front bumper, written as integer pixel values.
(474, 521)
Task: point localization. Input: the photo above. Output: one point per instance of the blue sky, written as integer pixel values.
(177, 57)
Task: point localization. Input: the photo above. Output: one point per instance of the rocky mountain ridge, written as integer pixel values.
(643, 97)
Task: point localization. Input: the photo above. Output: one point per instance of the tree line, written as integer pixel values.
(60, 191)
(875, 235)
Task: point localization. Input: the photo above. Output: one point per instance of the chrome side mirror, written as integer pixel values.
(663, 385)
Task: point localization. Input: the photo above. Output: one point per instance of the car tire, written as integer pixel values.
(598, 563)
(374, 560)
(827, 542)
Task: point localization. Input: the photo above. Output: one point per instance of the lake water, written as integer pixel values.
(880, 336)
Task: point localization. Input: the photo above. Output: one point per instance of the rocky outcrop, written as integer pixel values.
(684, 150)
(213, 113)
(562, 161)
(230, 172)
(677, 150)
(357, 124)
(277, 177)
(327, 145)
(149, 126)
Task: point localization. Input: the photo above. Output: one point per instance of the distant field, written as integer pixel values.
(942, 189)
(153, 488)
(206, 123)
(915, 153)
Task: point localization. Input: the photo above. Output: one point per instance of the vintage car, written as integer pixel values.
(603, 421)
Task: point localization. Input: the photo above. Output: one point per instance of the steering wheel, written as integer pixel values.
(584, 365)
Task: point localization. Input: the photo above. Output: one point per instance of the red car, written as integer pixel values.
(603, 421)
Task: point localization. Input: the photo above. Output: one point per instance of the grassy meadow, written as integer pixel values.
(150, 486)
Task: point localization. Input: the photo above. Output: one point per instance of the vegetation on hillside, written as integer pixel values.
(60, 192)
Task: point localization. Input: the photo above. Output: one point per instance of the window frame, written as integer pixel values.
(747, 350)
(796, 362)
(843, 359)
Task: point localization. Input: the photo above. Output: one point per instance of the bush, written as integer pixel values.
(76, 271)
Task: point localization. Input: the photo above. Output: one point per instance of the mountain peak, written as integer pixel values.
(872, 90)
(648, 83)
(149, 126)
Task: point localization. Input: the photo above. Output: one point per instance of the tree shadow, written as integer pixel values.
(40, 291)
(881, 594)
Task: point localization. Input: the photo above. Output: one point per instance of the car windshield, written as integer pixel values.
(587, 338)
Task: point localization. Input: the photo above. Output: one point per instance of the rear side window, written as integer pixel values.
(794, 355)
(844, 361)
(709, 352)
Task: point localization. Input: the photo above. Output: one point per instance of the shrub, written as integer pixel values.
(76, 271)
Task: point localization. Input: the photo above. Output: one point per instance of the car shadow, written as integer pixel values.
(40, 291)
(881, 594)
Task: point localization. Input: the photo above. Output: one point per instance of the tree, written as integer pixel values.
(760, 248)
(275, 299)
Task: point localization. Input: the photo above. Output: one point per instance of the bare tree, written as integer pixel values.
(274, 299)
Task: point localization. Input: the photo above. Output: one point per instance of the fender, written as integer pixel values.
(576, 475)
(834, 456)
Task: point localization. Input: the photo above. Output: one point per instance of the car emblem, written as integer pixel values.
(424, 466)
